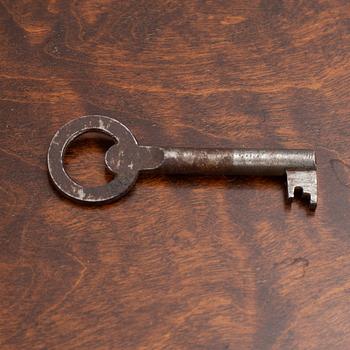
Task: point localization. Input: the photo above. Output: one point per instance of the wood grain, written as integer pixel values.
(179, 263)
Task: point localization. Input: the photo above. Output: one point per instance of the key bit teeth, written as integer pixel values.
(313, 204)
(306, 181)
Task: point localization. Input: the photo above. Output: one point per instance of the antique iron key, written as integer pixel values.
(126, 159)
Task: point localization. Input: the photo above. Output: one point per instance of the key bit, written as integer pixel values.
(126, 159)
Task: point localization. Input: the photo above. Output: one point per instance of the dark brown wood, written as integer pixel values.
(179, 263)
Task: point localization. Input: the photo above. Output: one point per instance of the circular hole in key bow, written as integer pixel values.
(84, 160)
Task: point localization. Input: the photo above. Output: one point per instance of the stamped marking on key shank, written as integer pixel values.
(126, 159)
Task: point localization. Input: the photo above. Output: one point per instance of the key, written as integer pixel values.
(126, 159)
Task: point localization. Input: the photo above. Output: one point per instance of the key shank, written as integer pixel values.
(235, 161)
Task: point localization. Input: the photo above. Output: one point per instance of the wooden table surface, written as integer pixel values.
(200, 263)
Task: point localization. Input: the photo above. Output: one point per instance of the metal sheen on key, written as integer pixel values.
(126, 159)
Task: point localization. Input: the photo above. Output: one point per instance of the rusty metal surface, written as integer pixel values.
(126, 159)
